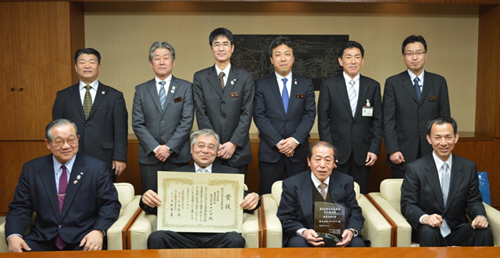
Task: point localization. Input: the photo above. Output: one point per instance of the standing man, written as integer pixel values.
(73, 197)
(223, 97)
(440, 192)
(162, 117)
(411, 99)
(98, 111)
(350, 116)
(284, 112)
(320, 184)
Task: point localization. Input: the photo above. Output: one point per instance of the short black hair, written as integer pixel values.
(280, 40)
(220, 32)
(352, 44)
(325, 144)
(88, 51)
(442, 120)
(413, 39)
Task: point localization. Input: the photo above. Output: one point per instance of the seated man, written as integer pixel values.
(204, 146)
(72, 194)
(440, 190)
(296, 209)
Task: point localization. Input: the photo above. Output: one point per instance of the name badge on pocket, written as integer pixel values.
(367, 110)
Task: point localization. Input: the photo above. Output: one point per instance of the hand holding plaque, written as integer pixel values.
(329, 222)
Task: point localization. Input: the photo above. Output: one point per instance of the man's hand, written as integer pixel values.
(226, 150)
(346, 238)
(370, 159)
(92, 241)
(479, 222)
(162, 153)
(151, 199)
(433, 220)
(312, 238)
(119, 166)
(250, 201)
(17, 244)
(397, 157)
(287, 146)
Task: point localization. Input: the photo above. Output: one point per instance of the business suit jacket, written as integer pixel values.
(91, 201)
(421, 192)
(296, 211)
(336, 125)
(272, 122)
(104, 134)
(228, 112)
(171, 126)
(405, 117)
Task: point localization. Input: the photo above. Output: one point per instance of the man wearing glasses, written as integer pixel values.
(411, 99)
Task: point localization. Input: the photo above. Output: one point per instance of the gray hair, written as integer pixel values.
(195, 135)
(57, 122)
(162, 44)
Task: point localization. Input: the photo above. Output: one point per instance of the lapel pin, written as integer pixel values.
(173, 89)
(367, 103)
(74, 182)
(103, 92)
(295, 81)
(78, 177)
(233, 81)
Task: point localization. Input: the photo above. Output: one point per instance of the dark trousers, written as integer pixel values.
(272, 172)
(149, 173)
(360, 173)
(50, 245)
(173, 240)
(298, 241)
(464, 235)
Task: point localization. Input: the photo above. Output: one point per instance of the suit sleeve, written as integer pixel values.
(181, 134)
(302, 132)
(475, 205)
(120, 128)
(324, 130)
(240, 134)
(410, 199)
(20, 209)
(288, 210)
(266, 129)
(444, 100)
(57, 109)
(201, 112)
(356, 219)
(107, 200)
(389, 109)
(376, 122)
(139, 123)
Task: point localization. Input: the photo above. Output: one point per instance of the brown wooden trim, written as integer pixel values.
(127, 244)
(263, 222)
(394, 226)
(259, 217)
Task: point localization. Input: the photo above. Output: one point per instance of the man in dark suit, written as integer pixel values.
(162, 117)
(350, 116)
(284, 117)
(296, 209)
(98, 111)
(411, 98)
(223, 97)
(440, 192)
(74, 199)
(204, 147)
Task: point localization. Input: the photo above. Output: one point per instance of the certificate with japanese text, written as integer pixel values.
(200, 202)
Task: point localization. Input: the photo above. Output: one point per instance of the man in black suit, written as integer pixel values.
(411, 98)
(73, 197)
(204, 147)
(296, 209)
(98, 111)
(440, 192)
(223, 96)
(350, 116)
(284, 117)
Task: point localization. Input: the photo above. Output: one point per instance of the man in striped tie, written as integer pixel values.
(440, 192)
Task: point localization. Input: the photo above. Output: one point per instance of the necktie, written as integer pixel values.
(284, 95)
(61, 195)
(445, 187)
(202, 170)
(87, 102)
(353, 97)
(163, 95)
(221, 79)
(323, 186)
(417, 87)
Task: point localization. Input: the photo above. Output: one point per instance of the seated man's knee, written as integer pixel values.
(236, 240)
(297, 241)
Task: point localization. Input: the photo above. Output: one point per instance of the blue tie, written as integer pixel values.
(417, 87)
(284, 95)
(163, 95)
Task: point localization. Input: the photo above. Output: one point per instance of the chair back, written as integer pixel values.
(126, 193)
(390, 189)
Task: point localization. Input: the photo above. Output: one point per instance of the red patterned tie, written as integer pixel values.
(63, 186)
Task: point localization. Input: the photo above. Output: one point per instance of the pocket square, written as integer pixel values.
(433, 98)
(177, 99)
(300, 96)
(234, 94)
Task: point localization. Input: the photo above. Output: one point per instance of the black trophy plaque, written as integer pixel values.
(329, 222)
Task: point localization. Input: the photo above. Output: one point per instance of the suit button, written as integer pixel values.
(162, 121)
(86, 124)
(59, 226)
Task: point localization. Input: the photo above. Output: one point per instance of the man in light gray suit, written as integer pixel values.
(162, 117)
(223, 97)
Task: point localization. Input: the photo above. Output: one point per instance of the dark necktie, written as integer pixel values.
(323, 186)
(87, 102)
(284, 95)
(163, 95)
(221, 79)
(417, 87)
(61, 195)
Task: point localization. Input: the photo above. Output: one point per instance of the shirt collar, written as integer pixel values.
(288, 77)
(316, 181)
(226, 70)
(347, 78)
(421, 77)
(69, 165)
(208, 168)
(93, 85)
(167, 80)
(439, 162)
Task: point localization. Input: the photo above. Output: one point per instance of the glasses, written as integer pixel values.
(224, 44)
(60, 142)
(418, 53)
(356, 58)
(211, 147)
